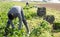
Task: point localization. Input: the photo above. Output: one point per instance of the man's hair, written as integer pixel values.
(10, 16)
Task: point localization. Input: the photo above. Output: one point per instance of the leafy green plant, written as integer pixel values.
(44, 30)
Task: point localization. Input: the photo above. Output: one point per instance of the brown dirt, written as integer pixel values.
(51, 5)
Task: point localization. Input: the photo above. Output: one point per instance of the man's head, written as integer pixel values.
(11, 16)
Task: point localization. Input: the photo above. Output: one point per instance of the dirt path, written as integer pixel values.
(51, 5)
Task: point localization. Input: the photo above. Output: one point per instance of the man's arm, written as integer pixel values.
(12, 25)
(24, 21)
(20, 21)
(7, 27)
(8, 23)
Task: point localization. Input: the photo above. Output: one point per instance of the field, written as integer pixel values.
(34, 22)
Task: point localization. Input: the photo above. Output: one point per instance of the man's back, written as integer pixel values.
(15, 10)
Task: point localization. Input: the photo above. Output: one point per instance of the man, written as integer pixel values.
(27, 3)
(16, 11)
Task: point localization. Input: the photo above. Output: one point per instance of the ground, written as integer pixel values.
(51, 5)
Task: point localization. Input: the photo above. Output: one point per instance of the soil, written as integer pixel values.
(51, 5)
